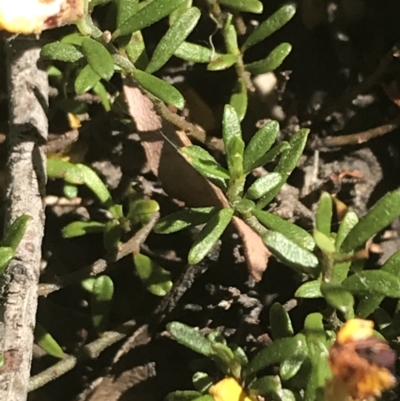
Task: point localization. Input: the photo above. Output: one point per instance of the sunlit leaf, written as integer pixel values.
(281, 325)
(100, 90)
(239, 99)
(323, 217)
(142, 210)
(272, 61)
(100, 302)
(98, 58)
(183, 219)
(175, 36)
(209, 235)
(270, 25)
(267, 385)
(15, 232)
(250, 6)
(310, 289)
(222, 62)
(202, 381)
(86, 80)
(79, 228)
(61, 52)
(156, 279)
(195, 53)
(47, 342)
(126, 9)
(349, 220)
(338, 297)
(324, 242)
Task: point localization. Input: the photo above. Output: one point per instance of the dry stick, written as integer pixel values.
(28, 97)
(98, 267)
(89, 351)
(359, 137)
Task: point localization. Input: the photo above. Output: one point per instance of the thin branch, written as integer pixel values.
(89, 351)
(101, 265)
(28, 99)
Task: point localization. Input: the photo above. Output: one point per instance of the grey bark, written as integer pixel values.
(28, 96)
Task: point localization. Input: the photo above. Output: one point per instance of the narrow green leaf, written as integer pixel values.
(267, 385)
(209, 235)
(205, 164)
(100, 302)
(310, 289)
(79, 228)
(141, 211)
(270, 25)
(225, 355)
(61, 52)
(96, 185)
(222, 62)
(176, 14)
(349, 220)
(195, 53)
(261, 186)
(277, 352)
(75, 38)
(183, 219)
(259, 145)
(6, 254)
(338, 297)
(175, 36)
(47, 342)
(15, 232)
(230, 36)
(291, 366)
(112, 235)
(159, 88)
(324, 242)
(234, 155)
(323, 217)
(271, 62)
(249, 6)
(290, 253)
(156, 279)
(294, 233)
(70, 191)
(378, 281)
(281, 325)
(190, 338)
(202, 382)
(136, 51)
(379, 216)
(146, 16)
(126, 9)
(340, 271)
(239, 99)
(99, 58)
(230, 126)
(86, 80)
(100, 90)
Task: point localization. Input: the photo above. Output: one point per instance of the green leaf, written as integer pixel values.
(209, 235)
(230, 36)
(234, 155)
(205, 164)
(340, 271)
(310, 289)
(291, 366)
(272, 61)
(146, 16)
(230, 129)
(159, 88)
(96, 185)
(289, 252)
(94, 3)
(349, 220)
(379, 216)
(79, 228)
(185, 395)
(323, 217)
(112, 235)
(249, 6)
(279, 319)
(142, 210)
(270, 25)
(259, 145)
(244, 206)
(15, 232)
(222, 62)
(190, 338)
(100, 302)
(156, 279)
(195, 53)
(86, 80)
(370, 281)
(47, 342)
(267, 385)
(126, 9)
(202, 382)
(261, 186)
(324, 242)
(136, 51)
(225, 356)
(70, 191)
(6, 255)
(338, 297)
(175, 36)
(277, 352)
(175, 15)
(239, 99)
(75, 38)
(98, 58)
(294, 233)
(100, 90)
(61, 52)
(183, 219)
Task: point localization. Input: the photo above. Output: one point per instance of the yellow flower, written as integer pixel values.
(360, 363)
(228, 389)
(34, 16)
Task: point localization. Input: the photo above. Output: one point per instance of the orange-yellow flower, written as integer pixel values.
(228, 389)
(360, 363)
